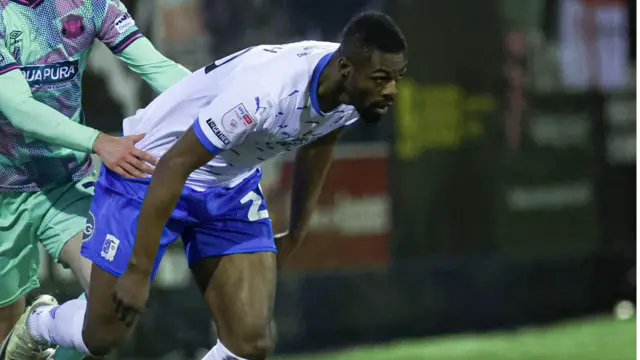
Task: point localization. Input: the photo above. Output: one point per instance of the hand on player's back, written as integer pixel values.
(120, 155)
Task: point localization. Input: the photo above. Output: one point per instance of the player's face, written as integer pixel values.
(373, 85)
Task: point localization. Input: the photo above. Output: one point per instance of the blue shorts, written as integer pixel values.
(215, 222)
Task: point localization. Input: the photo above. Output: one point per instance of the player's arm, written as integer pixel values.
(169, 178)
(132, 288)
(206, 138)
(153, 67)
(42, 122)
(34, 118)
(118, 31)
(311, 164)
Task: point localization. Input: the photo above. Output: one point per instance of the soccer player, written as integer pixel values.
(46, 175)
(247, 107)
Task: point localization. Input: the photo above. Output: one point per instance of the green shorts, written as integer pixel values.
(51, 217)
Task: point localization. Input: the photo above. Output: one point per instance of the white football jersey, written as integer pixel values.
(246, 108)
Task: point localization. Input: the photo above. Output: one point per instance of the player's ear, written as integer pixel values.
(345, 67)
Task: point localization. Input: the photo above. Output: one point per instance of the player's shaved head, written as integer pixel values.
(371, 31)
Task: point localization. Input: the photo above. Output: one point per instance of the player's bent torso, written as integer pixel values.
(287, 69)
(51, 41)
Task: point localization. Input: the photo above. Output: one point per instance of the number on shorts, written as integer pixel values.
(254, 211)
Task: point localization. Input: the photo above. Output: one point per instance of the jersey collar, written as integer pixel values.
(30, 3)
(315, 78)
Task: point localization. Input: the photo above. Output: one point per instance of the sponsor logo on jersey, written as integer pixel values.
(50, 74)
(216, 131)
(123, 22)
(237, 119)
(72, 26)
(14, 43)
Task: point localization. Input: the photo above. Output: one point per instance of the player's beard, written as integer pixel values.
(369, 117)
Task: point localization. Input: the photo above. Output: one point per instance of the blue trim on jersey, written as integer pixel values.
(315, 78)
(204, 140)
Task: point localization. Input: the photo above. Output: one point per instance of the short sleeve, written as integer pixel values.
(116, 27)
(231, 117)
(7, 62)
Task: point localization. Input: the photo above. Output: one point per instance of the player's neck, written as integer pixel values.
(330, 88)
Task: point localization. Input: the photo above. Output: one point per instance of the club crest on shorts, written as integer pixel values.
(109, 247)
(89, 226)
(237, 119)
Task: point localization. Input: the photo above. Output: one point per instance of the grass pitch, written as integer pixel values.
(592, 339)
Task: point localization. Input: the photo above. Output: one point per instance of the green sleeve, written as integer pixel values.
(38, 120)
(158, 71)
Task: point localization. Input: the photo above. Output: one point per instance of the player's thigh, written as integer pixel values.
(240, 291)
(20, 215)
(9, 315)
(67, 216)
(231, 252)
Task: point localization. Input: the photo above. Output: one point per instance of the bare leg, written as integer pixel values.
(9, 315)
(102, 331)
(80, 265)
(240, 291)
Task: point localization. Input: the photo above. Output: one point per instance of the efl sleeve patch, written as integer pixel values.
(226, 127)
(237, 120)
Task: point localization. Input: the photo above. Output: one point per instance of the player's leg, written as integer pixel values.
(67, 223)
(9, 315)
(240, 291)
(79, 265)
(62, 232)
(20, 214)
(91, 326)
(88, 326)
(232, 256)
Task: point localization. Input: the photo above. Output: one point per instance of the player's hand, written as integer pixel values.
(120, 155)
(130, 296)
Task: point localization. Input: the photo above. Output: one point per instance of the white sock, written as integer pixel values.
(219, 352)
(60, 325)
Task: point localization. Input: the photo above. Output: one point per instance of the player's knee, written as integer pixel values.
(253, 343)
(81, 266)
(102, 341)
